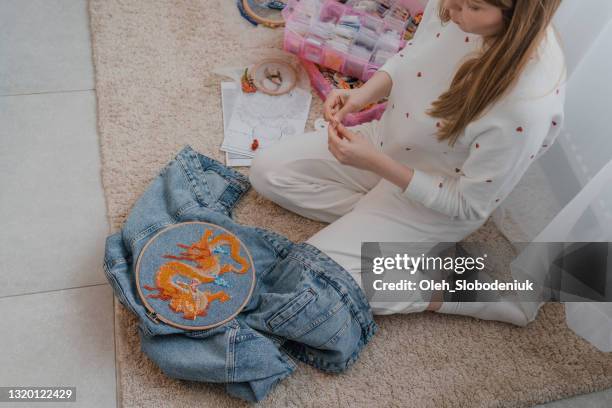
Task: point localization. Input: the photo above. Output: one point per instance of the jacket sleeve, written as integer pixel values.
(501, 149)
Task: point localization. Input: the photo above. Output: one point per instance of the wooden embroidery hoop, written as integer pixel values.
(160, 316)
(257, 73)
(268, 22)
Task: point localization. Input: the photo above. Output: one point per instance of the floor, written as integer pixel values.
(57, 306)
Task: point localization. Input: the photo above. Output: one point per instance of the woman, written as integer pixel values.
(473, 100)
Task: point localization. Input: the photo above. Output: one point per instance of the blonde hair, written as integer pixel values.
(485, 78)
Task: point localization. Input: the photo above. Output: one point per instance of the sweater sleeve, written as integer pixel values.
(502, 148)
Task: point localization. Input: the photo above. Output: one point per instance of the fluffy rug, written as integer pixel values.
(156, 92)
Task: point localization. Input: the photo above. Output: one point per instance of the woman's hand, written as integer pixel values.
(339, 103)
(351, 148)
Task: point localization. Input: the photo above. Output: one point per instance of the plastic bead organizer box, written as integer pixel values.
(354, 37)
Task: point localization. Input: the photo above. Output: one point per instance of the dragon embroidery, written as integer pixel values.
(187, 298)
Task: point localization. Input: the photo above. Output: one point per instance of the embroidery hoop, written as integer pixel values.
(258, 13)
(161, 317)
(288, 73)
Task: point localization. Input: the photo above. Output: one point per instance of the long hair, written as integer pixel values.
(485, 78)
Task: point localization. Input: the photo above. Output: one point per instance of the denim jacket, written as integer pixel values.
(304, 305)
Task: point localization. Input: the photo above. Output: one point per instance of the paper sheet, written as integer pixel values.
(266, 118)
(229, 93)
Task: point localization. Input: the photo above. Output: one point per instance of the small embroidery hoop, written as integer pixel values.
(175, 324)
(257, 73)
(268, 22)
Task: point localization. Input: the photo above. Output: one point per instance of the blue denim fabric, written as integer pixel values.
(304, 305)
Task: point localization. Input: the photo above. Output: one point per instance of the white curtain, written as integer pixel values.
(584, 219)
(567, 194)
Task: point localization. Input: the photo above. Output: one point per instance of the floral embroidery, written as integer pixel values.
(408, 148)
(440, 185)
(467, 39)
(419, 74)
(438, 35)
(477, 145)
(489, 181)
(554, 123)
(438, 125)
(407, 115)
(519, 129)
(497, 200)
(457, 170)
(532, 156)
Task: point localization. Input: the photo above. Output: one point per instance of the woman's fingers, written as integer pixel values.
(341, 113)
(331, 106)
(332, 135)
(336, 106)
(343, 132)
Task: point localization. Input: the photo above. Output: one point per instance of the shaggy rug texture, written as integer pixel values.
(156, 92)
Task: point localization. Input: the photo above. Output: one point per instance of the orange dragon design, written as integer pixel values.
(187, 298)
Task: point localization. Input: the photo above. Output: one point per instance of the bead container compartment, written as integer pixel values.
(354, 37)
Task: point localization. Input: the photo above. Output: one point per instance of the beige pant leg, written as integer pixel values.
(385, 215)
(301, 175)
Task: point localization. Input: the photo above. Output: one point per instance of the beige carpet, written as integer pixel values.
(156, 93)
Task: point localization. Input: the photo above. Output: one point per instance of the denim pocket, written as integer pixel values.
(312, 318)
(324, 331)
(338, 335)
(320, 319)
(291, 308)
